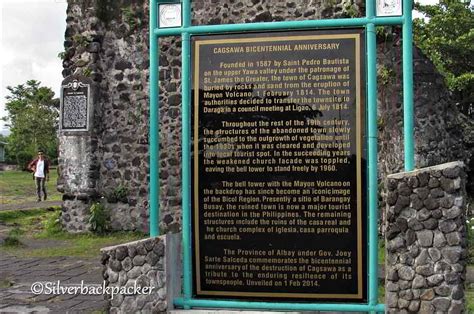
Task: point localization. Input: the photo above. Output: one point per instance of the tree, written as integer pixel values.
(32, 117)
(446, 36)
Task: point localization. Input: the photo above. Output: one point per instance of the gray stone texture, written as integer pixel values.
(136, 271)
(108, 41)
(433, 259)
(77, 165)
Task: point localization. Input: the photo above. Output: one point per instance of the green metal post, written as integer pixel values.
(281, 306)
(372, 152)
(370, 21)
(154, 204)
(407, 41)
(186, 149)
(266, 26)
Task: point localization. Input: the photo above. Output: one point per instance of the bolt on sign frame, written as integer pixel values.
(370, 21)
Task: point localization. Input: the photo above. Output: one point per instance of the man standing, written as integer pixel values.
(40, 168)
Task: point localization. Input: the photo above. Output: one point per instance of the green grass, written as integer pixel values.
(18, 187)
(41, 226)
(23, 217)
(381, 292)
(381, 252)
(470, 241)
(470, 300)
(83, 245)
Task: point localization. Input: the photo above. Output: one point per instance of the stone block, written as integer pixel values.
(452, 254)
(425, 270)
(452, 172)
(435, 254)
(127, 263)
(414, 306)
(453, 278)
(404, 284)
(425, 238)
(423, 214)
(442, 304)
(426, 307)
(422, 193)
(406, 294)
(129, 304)
(418, 282)
(391, 274)
(427, 295)
(431, 223)
(447, 201)
(441, 267)
(436, 193)
(115, 265)
(406, 273)
(395, 244)
(431, 203)
(439, 240)
(443, 290)
(414, 224)
(134, 272)
(453, 238)
(433, 183)
(403, 304)
(121, 252)
(452, 212)
(457, 307)
(139, 260)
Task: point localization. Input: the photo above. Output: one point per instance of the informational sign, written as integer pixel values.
(169, 15)
(389, 8)
(278, 166)
(75, 99)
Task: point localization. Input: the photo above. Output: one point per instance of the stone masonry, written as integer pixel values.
(108, 42)
(426, 240)
(136, 264)
(78, 165)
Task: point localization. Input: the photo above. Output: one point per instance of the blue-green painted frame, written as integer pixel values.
(370, 21)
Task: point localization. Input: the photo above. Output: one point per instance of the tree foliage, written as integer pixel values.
(32, 116)
(446, 36)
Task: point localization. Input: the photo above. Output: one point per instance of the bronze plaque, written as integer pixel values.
(75, 106)
(278, 166)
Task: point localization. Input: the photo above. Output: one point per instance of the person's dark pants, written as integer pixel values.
(40, 187)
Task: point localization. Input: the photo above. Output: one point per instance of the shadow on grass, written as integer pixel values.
(40, 233)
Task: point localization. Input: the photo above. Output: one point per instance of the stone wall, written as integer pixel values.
(78, 164)
(136, 264)
(108, 41)
(426, 240)
(442, 134)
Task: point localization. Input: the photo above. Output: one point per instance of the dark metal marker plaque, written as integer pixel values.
(278, 166)
(75, 106)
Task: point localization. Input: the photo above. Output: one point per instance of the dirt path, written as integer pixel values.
(30, 205)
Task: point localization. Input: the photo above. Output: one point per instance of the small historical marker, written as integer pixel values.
(278, 166)
(75, 105)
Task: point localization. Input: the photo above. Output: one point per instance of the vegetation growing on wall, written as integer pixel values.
(446, 36)
(105, 10)
(99, 218)
(132, 17)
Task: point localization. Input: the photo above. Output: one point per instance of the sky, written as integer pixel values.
(31, 36)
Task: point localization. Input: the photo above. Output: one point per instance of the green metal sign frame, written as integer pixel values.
(370, 21)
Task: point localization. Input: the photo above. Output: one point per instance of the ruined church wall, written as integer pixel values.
(108, 42)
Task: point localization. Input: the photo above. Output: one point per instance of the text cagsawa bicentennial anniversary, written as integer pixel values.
(277, 48)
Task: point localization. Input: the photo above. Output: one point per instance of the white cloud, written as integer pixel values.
(31, 36)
